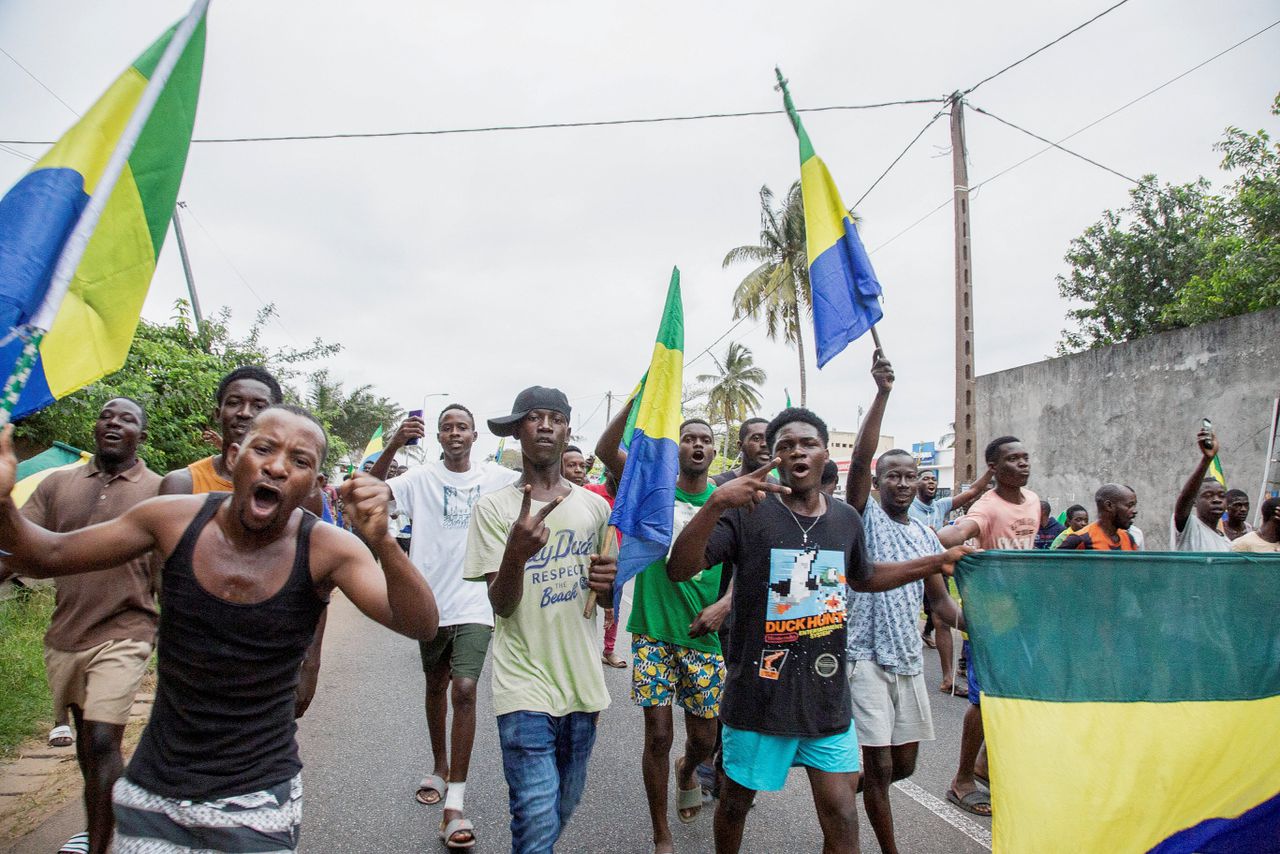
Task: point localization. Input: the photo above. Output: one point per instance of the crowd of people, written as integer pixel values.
(784, 622)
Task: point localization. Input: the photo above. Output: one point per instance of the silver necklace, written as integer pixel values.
(804, 532)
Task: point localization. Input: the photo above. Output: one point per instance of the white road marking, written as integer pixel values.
(945, 811)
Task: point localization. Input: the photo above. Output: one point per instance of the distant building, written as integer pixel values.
(840, 447)
(940, 457)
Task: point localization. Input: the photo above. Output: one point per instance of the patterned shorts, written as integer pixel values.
(266, 822)
(662, 670)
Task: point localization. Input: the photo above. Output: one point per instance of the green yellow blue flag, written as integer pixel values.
(374, 449)
(644, 510)
(1130, 700)
(1215, 471)
(845, 290)
(80, 233)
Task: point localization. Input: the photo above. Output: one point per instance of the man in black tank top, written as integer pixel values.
(246, 577)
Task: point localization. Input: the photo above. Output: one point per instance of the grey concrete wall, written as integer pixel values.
(1130, 412)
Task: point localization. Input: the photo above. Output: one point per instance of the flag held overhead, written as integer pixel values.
(846, 292)
(644, 510)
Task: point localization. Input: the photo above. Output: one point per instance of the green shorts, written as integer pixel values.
(465, 645)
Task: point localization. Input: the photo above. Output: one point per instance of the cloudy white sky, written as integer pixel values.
(477, 264)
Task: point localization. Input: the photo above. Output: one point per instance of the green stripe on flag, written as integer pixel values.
(806, 147)
(1123, 627)
(671, 331)
(160, 155)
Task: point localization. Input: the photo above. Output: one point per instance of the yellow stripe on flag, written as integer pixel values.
(87, 147)
(824, 212)
(1061, 781)
(657, 418)
(93, 329)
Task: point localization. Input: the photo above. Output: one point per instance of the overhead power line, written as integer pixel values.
(536, 126)
(1081, 130)
(901, 154)
(1045, 47)
(1053, 144)
(39, 82)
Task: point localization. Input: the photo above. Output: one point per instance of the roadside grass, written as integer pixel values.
(25, 704)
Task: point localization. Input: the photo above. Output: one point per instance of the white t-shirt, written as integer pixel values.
(439, 502)
(1196, 536)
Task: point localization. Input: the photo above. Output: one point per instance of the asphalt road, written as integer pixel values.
(365, 746)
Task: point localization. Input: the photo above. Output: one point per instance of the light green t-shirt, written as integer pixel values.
(662, 608)
(546, 655)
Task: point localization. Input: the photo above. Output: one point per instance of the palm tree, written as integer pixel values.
(778, 288)
(734, 393)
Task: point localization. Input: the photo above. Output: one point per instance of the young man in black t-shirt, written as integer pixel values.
(786, 697)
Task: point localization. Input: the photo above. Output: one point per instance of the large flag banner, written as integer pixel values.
(1131, 700)
(90, 329)
(846, 292)
(644, 510)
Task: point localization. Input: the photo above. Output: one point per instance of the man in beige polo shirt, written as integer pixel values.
(104, 623)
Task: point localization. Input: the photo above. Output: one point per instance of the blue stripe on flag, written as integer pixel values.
(845, 294)
(642, 510)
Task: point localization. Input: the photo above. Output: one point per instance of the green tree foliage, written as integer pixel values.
(778, 288)
(1180, 255)
(734, 393)
(173, 370)
(350, 417)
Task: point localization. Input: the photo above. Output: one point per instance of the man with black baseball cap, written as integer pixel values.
(536, 543)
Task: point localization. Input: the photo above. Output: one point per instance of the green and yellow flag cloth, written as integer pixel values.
(1130, 700)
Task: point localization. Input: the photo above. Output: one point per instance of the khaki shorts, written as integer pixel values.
(101, 680)
(888, 708)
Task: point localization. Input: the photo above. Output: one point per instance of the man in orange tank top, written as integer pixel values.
(241, 395)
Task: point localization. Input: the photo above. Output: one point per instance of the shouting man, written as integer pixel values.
(245, 578)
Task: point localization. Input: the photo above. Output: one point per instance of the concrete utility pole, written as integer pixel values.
(186, 268)
(966, 455)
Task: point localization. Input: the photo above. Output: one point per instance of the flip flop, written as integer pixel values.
(613, 660)
(929, 642)
(432, 784)
(947, 689)
(687, 800)
(61, 736)
(971, 802)
(458, 825)
(78, 844)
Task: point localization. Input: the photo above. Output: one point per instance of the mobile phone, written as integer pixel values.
(1206, 424)
(414, 413)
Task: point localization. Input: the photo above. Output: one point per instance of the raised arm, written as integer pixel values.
(394, 594)
(44, 554)
(858, 486)
(412, 427)
(609, 448)
(974, 492)
(1207, 444)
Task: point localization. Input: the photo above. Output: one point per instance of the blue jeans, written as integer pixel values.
(545, 762)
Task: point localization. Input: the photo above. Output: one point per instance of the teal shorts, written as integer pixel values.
(759, 761)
